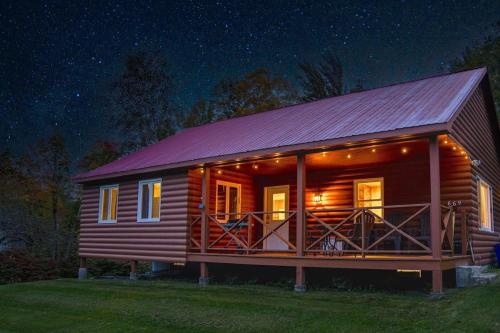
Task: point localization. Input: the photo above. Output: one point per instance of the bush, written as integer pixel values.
(18, 266)
(106, 267)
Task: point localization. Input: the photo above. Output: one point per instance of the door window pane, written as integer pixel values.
(221, 202)
(278, 200)
(369, 194)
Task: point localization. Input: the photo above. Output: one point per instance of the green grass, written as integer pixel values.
(173, 306)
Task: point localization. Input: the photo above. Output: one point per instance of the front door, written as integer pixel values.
(276, 200)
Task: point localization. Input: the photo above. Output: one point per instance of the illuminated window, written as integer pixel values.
(148, 209)
(108, 204)
(228, 201)
(485, 205)
(370, 193)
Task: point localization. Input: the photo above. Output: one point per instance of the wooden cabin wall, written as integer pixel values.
(127, 239)
(248, 197)
(476, 128)
(406, 181)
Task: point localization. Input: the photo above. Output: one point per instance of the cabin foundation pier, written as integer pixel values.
(437, 283)
(203, 280)
(133, 270)
(300, 280)
(82, 271)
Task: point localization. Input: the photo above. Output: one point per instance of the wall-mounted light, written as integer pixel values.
(202, 171)
(323, 154)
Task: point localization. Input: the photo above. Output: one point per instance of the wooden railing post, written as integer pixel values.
(363, 233)
(250, 231)
(205, 201)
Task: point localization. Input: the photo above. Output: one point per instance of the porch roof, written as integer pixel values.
(415, 107)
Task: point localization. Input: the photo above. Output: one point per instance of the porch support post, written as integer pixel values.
(435, 210)
(205, 200)
(300, 279)
(82, 271)
(437, 283)
(133, 270)
(205, 229)
(203, 280)
(300, 285)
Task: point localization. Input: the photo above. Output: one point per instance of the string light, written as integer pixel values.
(454, 148)
(445, 142)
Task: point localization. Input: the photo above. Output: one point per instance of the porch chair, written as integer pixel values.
(356, 236)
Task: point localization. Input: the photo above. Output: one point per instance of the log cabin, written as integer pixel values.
(403, 177)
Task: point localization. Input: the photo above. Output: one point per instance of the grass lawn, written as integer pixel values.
(173, 306)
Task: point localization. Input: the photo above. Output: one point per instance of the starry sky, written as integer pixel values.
(56, 58)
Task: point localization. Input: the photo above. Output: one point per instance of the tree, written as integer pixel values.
(486, 54)
(140, 100)
(201, 113)
(47, 167)
(100, 153)
(258, 91)
(323, 80)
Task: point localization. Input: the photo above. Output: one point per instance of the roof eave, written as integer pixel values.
(403, 133)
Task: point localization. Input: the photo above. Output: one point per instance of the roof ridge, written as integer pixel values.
(332, 97)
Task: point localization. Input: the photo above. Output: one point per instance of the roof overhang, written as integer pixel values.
(402, 134)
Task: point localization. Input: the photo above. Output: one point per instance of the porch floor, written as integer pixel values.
(349, 261)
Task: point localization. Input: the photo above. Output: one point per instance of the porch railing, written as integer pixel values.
(243, 232)
(393, 229)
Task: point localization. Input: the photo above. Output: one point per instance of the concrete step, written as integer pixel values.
(484, 278)
(469, 276)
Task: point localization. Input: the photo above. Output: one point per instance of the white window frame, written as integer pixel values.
(226, 208)
(106, 187)
(368, 180)
(490, 197)
(150, 182)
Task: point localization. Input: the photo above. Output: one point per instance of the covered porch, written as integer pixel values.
(393, 205)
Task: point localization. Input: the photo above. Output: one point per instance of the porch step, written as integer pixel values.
(469, 276)
(484, 278)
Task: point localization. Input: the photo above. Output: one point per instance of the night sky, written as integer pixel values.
(57, 57)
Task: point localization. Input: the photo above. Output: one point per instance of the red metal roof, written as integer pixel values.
(410, 106)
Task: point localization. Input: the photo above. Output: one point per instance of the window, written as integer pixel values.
(485, 205)
(108, 203)
(148, 208)
(228, 201)
(370, 193)
(279, 205)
